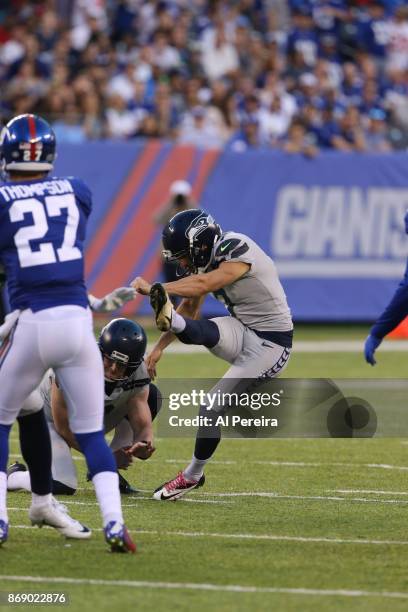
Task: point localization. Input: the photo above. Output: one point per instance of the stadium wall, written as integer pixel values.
(333, 224)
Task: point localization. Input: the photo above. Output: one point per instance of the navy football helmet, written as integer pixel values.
(27, 144)
(191, 234)
(123, 341)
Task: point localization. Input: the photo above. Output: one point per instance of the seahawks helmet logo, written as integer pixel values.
(198, 225)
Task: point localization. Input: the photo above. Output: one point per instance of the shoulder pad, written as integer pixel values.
(82, 191)
(229, 249)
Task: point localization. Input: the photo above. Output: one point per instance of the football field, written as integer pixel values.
(289, 524)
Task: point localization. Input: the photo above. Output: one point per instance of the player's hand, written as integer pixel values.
(123, 458)
(141, 450)
(116, 299)
(141, 285)
(370, 346)
(406, 222)
(151, 361)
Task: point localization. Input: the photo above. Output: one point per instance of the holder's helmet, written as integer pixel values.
(123, 341)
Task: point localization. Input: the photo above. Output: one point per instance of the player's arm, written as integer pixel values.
(395, 312)
(140, 420)
(111, 301)
(197, 285)
(59, 412)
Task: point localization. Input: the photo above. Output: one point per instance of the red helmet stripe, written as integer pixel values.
(33, 135)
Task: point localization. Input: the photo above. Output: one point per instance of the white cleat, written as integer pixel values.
(56, 515)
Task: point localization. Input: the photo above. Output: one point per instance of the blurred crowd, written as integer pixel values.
(299, 75)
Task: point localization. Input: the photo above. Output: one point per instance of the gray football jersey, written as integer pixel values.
(257, 299)
(115, 404)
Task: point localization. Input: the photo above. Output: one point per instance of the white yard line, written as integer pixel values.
(346, 346)
(202, 586)
(252, 536)
(373, 491)
(136, 498)
(150, 498)
(304, 346)
(274, 537)
(19, 456)
(272, 495)
(263, 494)
(379, 466)
(312, 464)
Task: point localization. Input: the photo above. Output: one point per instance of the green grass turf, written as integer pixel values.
(301, 365)
(301, 508)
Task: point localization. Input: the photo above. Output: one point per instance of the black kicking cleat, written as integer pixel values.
(125, 487)
(16, 467)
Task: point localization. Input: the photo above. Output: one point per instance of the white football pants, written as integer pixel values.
(60, 338)
(251, 357)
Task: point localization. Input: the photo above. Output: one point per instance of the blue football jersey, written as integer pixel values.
(42, 233)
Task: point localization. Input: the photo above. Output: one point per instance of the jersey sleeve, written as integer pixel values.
(394, 313)
(83, 194)
(235, 248)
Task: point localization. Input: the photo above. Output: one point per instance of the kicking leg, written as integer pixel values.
(189, 331)
(252, 359)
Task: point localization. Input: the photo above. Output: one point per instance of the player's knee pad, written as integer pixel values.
(59, 488)
(154, 400)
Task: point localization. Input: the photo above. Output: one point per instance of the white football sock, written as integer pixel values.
(195, 469)
(40, 500)
(107, 492)
(178, 323)
(3, 497)
(18, 481)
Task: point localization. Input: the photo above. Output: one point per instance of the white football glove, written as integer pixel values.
(113, 300)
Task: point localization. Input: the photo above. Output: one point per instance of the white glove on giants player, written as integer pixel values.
(113, 300)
